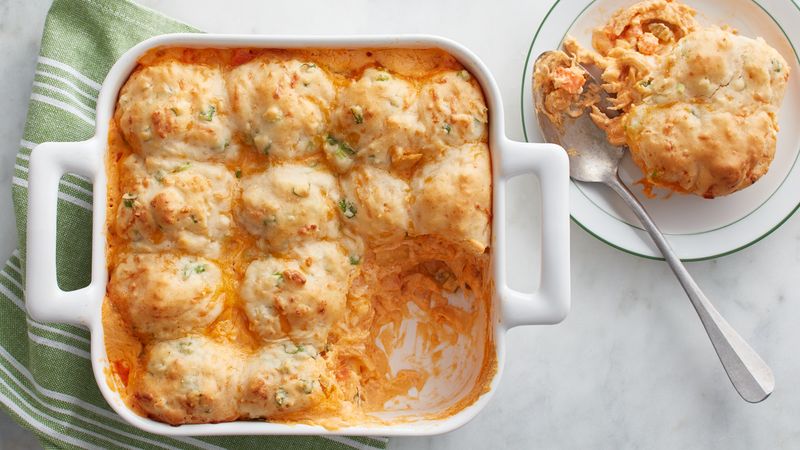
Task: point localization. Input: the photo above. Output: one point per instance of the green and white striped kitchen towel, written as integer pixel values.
(46, 382)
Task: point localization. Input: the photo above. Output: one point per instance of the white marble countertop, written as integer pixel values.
(631, 366)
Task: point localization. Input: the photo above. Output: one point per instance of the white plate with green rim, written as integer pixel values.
(697, 228)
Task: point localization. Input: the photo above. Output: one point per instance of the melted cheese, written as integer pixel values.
(340, 311)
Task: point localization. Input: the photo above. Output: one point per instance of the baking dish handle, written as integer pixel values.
(551, 302)
(45, 301)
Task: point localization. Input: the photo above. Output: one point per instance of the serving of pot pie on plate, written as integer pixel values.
(697, 106)
(703, 99)
(276, 217)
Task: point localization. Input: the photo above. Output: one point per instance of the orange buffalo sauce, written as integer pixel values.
(416, 339)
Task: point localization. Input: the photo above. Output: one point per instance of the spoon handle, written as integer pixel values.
(748, 373)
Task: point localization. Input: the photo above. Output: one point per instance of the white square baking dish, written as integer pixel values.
(49, 161)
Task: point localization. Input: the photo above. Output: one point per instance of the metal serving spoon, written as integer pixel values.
(593, 160)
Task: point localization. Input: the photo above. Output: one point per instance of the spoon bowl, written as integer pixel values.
(591, 158)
